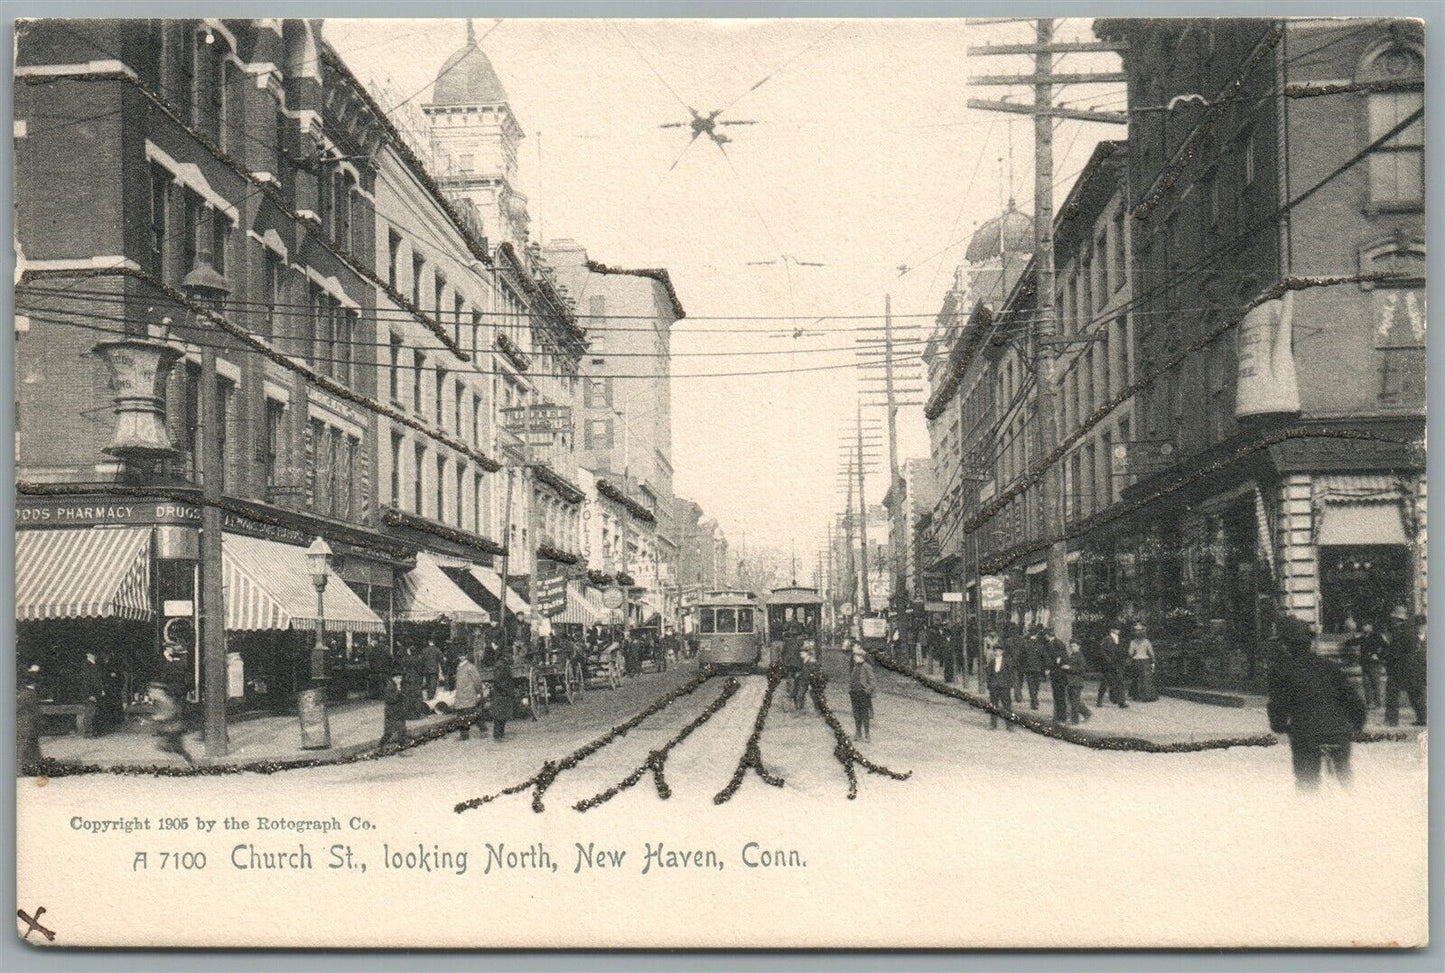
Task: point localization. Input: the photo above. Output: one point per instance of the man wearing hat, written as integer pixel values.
(27, 720)
(860, 692)
(1404, 666)
(394, 709)
(1312, 700)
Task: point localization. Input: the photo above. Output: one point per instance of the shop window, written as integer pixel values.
(1362, 583)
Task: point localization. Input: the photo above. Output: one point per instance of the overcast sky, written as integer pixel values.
(864, 157)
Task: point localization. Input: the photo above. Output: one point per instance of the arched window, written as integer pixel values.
(1397, 167)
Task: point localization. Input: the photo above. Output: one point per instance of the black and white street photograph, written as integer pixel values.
(833, 482)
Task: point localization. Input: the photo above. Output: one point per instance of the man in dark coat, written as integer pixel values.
(27, 721)
(92, 692)
(1056, 657)
(1016, 647)
(503, 703)
(943, 649)
(998, 671)
(431, 667)
(1312, 700)
(394, 709)
(792, 662)
(378, 663)
(1113, 657)
(1404, 667)
(412, 684)
(1371, 647)
(1033, 661)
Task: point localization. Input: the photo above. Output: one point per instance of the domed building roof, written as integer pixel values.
(1012, 232)
(468, 77)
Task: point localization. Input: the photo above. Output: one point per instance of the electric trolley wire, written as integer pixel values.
(49, 318)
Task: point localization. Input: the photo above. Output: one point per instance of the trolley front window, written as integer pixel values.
(745, 620)
(727, 621)
(707, 621)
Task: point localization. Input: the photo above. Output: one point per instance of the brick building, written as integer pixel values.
(1290, 457)
(205, 168)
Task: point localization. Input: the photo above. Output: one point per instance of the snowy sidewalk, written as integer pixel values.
(355, 727)
(1169, 719)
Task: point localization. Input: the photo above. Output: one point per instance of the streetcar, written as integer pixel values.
(794, 606)
(729, 630)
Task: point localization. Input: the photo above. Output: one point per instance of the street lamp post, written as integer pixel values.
(311, 706)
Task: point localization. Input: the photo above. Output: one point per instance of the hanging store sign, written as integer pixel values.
(612, 598)
(992, 590)
(1143, 456)
(953, 596)
(537, 419)
(78, 512)
(1267, 382)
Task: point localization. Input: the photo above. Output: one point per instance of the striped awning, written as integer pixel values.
(425, 594)
(584, 607)
(268, 588)
(83, 572)
(492, 581)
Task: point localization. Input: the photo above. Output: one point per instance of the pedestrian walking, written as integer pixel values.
(943, 645)
(1372, 653)
(27, 721)
(431, 667)
(468, 700)
(812, 675)
(861, 686)
(378, 664)
(92, 693)
(998, 672)
(503, 703)
(1073, 666)
(169, 721)
(1113, 659)
(1311, 699)
(793, 662)
(1056, 656)
(1141, 665)
(393, 709)
(1029, 657)
(1404, 660)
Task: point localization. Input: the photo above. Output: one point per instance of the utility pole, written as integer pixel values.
(862, 520)
(1045, 341)
(211, 290)
(896, 561)
(212, 601)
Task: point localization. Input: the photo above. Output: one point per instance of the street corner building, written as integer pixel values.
(262, 304)
(1238, 356)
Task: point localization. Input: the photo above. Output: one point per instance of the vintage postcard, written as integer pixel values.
(720, 483)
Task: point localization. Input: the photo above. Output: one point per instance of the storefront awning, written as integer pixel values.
(268, 588)
(425, 594)
(1361, 523)
(90, 572)
(584, 607)
(492, 581)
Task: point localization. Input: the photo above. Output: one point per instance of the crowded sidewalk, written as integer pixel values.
(355, 728)
(1167, 719)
